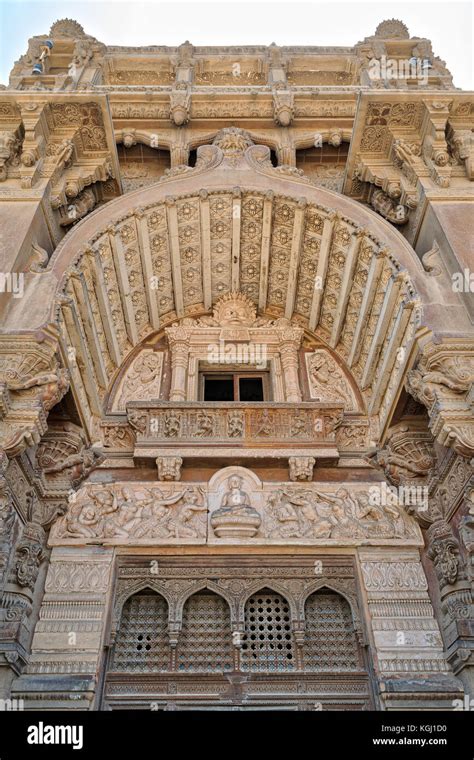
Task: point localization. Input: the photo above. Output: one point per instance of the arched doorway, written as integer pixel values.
(321, 283)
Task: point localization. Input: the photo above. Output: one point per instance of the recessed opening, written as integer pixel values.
(250, 389)
(234, 386)
(218, 388)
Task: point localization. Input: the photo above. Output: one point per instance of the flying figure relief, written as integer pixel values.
(313, 514)
(129, 512)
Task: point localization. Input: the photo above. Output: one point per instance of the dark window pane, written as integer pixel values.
(251, 389)
(218, 389)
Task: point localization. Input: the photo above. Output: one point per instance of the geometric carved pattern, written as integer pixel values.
(142, 640)
(268, 641)
(330, 641)
(205, 642)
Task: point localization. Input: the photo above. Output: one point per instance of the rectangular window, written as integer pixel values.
(235, 386)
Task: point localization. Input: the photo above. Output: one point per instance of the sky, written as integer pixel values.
(125, 22)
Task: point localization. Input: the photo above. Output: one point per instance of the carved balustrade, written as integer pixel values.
(222, 427)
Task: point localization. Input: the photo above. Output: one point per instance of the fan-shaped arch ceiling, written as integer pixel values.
(234, 223)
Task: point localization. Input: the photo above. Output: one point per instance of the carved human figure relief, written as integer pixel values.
(131, 513)
(234, 506)
(142, 381)
(236, 517)
(327, 382)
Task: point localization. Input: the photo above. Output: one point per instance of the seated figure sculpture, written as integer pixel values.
(235, 499)
(236, 516)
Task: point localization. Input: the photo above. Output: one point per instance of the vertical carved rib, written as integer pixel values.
(390, 356)
(89, 326)
(77, 384)
(385, 316)
(206, 249)
(109, 327)
(321, 271)
(298, 230)
(346, 285)
(122, 277)
(173, 236)
(147, 266)
(375, 270)
(76, 339)
(265, 251)
(236, 224)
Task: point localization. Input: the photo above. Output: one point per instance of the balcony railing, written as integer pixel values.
(230, 425)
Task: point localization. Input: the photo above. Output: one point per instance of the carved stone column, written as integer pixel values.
(69, 637)
(453, 561)
(290, 341)
(178, 338)
(443, 550)
(409, 658)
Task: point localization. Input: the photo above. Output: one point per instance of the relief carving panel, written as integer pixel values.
(233, 507)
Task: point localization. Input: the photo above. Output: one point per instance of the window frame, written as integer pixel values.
(236, 373)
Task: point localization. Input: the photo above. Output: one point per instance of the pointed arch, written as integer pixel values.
(141, 643)
(330, 643)
(268, 644)
(205, 640)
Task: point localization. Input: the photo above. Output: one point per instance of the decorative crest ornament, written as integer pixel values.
(233, 141)
(235, 309)
(392, 29)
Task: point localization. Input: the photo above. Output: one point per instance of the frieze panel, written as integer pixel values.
(76, 576)
(234, 507)
(238, 425)
(394, 576)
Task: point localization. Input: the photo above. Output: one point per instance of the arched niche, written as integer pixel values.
(299, 252)
(267, 644)
(205, 640)
(330, 642)
(246, 341)
(141, 643)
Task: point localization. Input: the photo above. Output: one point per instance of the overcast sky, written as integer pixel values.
(125, 22)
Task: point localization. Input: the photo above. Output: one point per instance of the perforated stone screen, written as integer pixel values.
(142, 640)
(330, 641)
(205, 643)
(268, 642)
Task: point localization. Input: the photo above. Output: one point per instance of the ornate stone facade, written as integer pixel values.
(238, 393)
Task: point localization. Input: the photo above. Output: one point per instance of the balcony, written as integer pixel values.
(246, 429)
